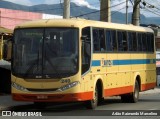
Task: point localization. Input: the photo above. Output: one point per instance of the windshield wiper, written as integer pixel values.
(53, 67)
(33, 64)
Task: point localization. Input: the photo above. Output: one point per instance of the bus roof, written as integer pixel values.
(80, 23)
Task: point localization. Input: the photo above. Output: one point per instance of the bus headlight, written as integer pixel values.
(19, 87)
(70, 85)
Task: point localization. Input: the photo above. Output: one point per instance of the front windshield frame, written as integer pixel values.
(43, 75)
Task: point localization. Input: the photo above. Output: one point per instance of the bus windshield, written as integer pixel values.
(45, 52)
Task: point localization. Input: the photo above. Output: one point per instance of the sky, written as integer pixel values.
(95, 4)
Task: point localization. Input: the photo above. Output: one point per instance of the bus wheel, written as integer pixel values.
(135, 95)
(92, 104)
(132, 97)
(40, 105)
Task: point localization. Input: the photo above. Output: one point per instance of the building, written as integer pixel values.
(10, 18)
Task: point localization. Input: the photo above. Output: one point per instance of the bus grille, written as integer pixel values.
(42, 90)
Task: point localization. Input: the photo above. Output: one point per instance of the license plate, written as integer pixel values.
(42, 97)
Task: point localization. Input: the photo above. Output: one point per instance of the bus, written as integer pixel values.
(5, 58)
(70, 60)
(5, 43)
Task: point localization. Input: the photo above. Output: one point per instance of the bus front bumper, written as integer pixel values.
(53, 97)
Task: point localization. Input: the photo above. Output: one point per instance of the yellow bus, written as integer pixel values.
(5, 43)
(81, 60)
(5, 56)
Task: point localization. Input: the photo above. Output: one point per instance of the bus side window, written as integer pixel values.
(108, 40)
(96, 40)
(150, 42)
(111, 43)
(86, 49)
(134, 35)
(125, 42)
(144, 41)
(114, 40)
(102, 40)
(139, 42)
(122, 41)
(99, 40)
(130, 41)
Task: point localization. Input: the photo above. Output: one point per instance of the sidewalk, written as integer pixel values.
(152, 91)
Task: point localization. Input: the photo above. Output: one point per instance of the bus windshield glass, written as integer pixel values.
(45, 52)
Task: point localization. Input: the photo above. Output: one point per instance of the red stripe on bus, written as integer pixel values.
(127, 89)
(118, 91)
(148, 86)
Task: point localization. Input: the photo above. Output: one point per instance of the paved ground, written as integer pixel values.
(156, 90)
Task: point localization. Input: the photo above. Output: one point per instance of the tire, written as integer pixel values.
(132, 97)
(92, 104)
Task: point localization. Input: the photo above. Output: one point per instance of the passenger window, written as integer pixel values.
(122, 41)
(86, 49)
(139, 42)
(144, 41)
(99, 40)
(132, 41)
(150, 42)
(111, 42)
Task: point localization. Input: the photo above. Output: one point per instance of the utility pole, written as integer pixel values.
(105, 11)
(126, 11)
(136, 13)
(66, 9)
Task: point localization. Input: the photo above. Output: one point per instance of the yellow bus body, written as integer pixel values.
(115, 78)
(5, 34)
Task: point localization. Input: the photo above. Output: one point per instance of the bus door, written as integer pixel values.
(86, 58)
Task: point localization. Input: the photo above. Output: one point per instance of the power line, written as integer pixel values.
(131, 2)
(152, 12)
(116, 11)
(152, 5)
(99, 10)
